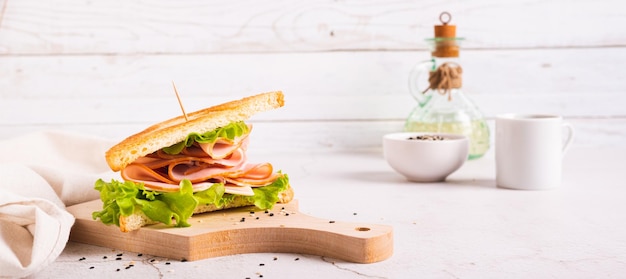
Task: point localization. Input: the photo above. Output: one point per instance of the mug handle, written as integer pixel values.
(570, 137)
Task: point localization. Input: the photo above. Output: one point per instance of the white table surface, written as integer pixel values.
(463, 228)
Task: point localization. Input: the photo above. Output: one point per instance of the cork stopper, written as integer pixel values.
(445, 38)
(444, 30)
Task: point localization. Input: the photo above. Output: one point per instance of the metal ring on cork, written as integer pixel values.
(445, 22)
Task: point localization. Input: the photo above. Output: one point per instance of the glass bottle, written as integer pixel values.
(436, 84)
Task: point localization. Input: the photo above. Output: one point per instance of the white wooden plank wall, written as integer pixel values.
(105, 67)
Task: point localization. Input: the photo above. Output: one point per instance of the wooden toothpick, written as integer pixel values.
(179, 102)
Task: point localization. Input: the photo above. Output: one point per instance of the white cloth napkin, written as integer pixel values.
(40, 174)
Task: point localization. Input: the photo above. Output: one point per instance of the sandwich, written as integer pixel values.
(190, 164)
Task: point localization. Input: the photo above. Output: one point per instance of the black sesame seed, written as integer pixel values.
(296, 259)
(275, 258)
(286, 214)
(82, 259)
(152, 260)
(251, 212)
(117, 269)
(243, 219)
(128, 267)
(354, 213)
(267, 211)
(283, 208)
(167, 263)
(139, 255)
(257, 218)
(92, 267)
(105, 257)
(183, 260)
(331, 222)
(271, 214)
(260, 275)
(261, 264)
(120, 254)
(118, 259)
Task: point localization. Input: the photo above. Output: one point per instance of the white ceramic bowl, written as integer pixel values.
(425, 160)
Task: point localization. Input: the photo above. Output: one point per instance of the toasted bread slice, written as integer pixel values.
(139, 219)
(175, 130)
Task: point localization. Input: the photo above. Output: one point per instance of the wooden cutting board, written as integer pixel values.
(241, 230)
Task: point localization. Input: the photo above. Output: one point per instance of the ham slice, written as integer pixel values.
(140, 172)
(189, 169)
(221, 148)
(242, 181)
(203, 164)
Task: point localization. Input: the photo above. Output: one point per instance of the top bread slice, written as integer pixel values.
(175, 130)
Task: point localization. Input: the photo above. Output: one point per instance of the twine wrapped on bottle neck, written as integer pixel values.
(445, 78)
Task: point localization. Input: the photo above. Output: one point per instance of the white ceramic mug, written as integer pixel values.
(529, 150)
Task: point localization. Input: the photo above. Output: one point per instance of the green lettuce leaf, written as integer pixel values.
(182, 203)
(117, 199)
(265, 197)
(125, 198)
(214, 195)
(230, 131)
